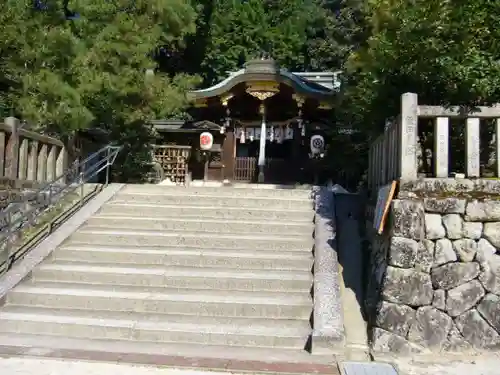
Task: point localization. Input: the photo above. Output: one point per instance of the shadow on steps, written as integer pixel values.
(348, 220)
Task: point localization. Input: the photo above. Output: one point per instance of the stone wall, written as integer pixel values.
(435, 272)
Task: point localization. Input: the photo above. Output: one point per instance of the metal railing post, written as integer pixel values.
(22, 215)
(8, 243)
(108, 158)
(81, 188)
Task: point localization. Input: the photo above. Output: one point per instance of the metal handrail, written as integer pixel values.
(23, 214)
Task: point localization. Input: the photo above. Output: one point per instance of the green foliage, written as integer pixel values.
(336, 29)
(67, 75)
(237, 31)
(446, 51)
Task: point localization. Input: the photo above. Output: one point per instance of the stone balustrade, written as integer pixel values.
(29, 156)
(397, 153)
(434, 273)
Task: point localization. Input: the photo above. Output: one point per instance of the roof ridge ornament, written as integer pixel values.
(264, 64)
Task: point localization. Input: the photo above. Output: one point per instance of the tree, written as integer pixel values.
(232, 32)
(446, 51)
(337, 29)
(73, 65)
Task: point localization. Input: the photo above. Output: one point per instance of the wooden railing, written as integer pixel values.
(396, 153)
(245, 169)
(29, 156)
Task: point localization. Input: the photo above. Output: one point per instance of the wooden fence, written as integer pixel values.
(245, 169)
(29, 156)
(396, 153)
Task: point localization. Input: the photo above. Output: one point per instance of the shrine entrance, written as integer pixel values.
(262, 119)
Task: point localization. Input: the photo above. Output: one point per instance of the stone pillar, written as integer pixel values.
(23, 159)
(51, 163)
(409, 136)
(12, 150)
(62, 162)
(2, 152)
(42, 164)
(472, 150)
(32, 161)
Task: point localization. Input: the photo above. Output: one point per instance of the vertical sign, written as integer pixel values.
(384, 198)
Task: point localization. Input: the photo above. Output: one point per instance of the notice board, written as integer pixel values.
(384, 198)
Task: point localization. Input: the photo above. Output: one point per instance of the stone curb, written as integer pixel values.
(44, 248)
(328, 325)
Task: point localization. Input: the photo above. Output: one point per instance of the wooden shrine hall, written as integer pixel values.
(267, 124)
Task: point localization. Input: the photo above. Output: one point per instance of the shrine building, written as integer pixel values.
(267, 125)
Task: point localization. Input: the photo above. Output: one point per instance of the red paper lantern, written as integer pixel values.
(206, 141)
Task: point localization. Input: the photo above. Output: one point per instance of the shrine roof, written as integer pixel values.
(320, 85)
(185, 126)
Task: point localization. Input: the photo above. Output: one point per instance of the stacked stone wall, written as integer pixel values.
(435, 272)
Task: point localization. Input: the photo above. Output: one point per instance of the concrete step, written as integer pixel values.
(169, 301)
(46, 343)
(243, 202)
(187, 257)
(75, 323)
(175, 277)
(201, 225)
(207, 212)
(115, 237)
(232, 191)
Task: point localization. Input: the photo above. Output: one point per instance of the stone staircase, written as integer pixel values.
(178, 270)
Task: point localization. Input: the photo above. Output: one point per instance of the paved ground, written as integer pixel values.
(348, 210)
(483, 366)
(35, 366)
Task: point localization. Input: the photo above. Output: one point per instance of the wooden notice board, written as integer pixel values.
(384, 198)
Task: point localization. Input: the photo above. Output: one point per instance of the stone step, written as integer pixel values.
(175, 277)
(230, 191)
(243, 202)
(115, 237)
(46, 343)
(206, 212)
(102, 325)
(187, 257)
(201, 225)
(169, 301)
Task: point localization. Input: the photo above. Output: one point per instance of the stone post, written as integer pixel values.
(497, 147)
(409, 132)
(12, 149)
(51, 163)
(41, 175)
(2, 152)
(61, 162)
(441, 147)
(23, 159)
(33, 161)
(472, 151)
